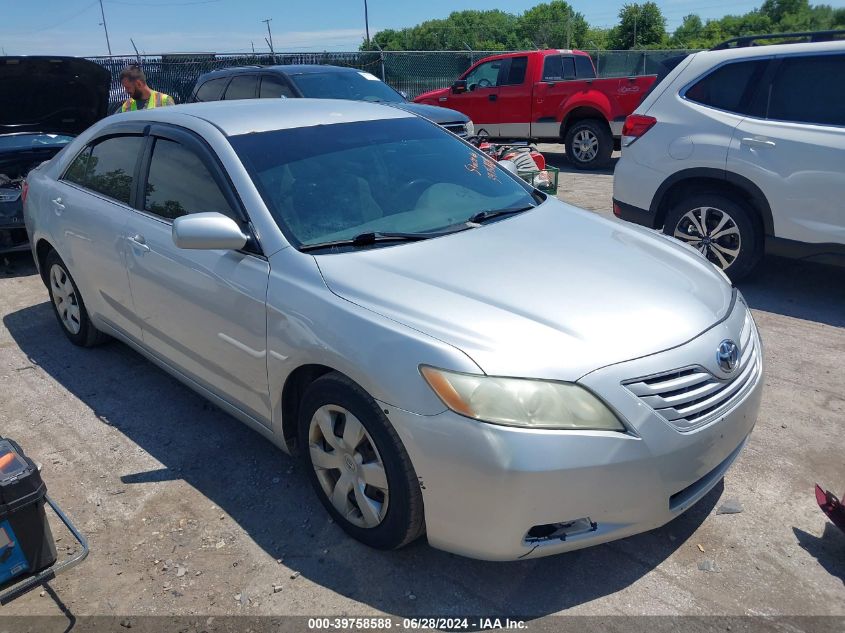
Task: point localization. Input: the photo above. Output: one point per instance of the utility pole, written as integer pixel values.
(367, 22)
(105, 28)
(636, 15)
(137, 54)
(270, 41)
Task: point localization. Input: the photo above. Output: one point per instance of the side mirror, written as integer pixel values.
(208, 231)
(509, 165)
(460, 86)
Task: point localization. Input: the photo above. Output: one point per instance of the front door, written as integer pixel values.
(480, 101)
(203, 311)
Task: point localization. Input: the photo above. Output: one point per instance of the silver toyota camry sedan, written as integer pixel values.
(450, 351)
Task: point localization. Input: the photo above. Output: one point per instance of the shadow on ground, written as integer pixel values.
(804, 290)
(269, 497)
(828, 549)
(558, 159)
(17, 265)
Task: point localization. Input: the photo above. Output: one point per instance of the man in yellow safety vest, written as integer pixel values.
(140, 95)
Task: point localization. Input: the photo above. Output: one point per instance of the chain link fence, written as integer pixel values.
(412, 72)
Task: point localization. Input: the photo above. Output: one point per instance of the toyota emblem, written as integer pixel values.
(727, 356)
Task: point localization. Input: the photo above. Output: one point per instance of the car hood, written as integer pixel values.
(432, 95)
(552, 293)
(55, 95)
(433, 113)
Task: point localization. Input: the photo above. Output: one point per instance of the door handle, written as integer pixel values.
(492, 97)
(749, 141)
(57, 203)
(138, 242)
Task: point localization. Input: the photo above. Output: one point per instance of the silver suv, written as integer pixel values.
(739, 152)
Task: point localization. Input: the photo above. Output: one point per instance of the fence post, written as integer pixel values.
(381, 58)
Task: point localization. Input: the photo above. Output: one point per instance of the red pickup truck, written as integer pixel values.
(550, 96)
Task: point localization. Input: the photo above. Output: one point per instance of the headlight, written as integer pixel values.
(470, 128)
(536, 404)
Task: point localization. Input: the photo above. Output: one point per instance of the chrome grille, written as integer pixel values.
(691, 397)
(457, 128)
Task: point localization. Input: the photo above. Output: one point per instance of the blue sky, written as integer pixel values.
(72, 27)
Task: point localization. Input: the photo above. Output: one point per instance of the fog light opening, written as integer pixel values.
(559, 531)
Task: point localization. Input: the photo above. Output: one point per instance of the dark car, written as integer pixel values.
(44, 103)
(318, 82)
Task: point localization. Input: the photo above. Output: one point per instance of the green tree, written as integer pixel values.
(553, 25)
(640, 25)
(690, 31)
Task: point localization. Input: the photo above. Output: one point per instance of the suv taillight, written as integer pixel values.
(636, 125)
(24, 191)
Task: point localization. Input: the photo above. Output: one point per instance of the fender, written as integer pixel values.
(754, 192)
(593, 99)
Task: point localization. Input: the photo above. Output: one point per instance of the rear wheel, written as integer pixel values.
(357, 464)
(723, 229)
(68, 305)
(589, 144)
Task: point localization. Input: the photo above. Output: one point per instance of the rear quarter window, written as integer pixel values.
(730, 87)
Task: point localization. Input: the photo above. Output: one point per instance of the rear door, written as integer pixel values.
(93, 201)
(514, 99)
(796, 153)
(203, 311)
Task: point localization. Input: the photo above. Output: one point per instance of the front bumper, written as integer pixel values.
(485, 486)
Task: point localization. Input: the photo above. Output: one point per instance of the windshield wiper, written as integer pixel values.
(373, 237)
(486, 215)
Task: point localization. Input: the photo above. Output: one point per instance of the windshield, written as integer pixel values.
(32, 141)
(333, 182)
(355, 86)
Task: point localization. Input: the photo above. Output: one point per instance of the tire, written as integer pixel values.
(68, 305)
(598, 135)
(733, 239)
(387, 515)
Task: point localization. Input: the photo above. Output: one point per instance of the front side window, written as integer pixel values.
(179, 183)
(730, 87)
(355, 85)
(274, 88)
(212, 90)
(242, 87)
(809, 89)
(485, 75)
(108, 167)
(334, 182)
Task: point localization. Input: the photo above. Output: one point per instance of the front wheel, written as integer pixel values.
(720, 228)
(357, 464)
(589, 144)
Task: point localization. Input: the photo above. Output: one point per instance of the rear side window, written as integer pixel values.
(242, 87)
(584, 66)
(274, 88)
(212, 90)
(558, 68)
(108, 167)
(809, 90)
(516, 73)
(179, 184)
(730, 87)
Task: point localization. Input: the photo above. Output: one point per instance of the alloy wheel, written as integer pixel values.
(348, 466)
(713, 232)
(585, 146)
(65, 299)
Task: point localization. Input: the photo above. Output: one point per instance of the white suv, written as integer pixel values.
(742, 151)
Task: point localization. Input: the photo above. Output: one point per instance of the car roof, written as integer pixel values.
(282, 69)
(771, 50)
(262, 115)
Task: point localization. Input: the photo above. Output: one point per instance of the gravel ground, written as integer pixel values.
(189, 512)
